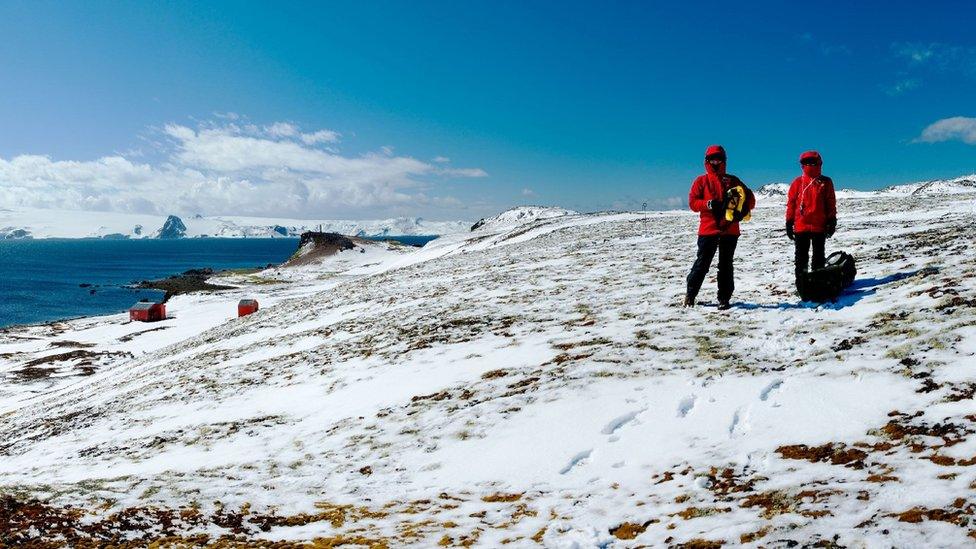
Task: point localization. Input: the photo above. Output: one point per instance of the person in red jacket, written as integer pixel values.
(811, 212)
(709, 197)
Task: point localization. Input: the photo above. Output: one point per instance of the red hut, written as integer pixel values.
(246, 307)
(145, 311)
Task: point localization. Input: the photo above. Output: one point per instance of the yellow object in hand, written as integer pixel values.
(736, 203)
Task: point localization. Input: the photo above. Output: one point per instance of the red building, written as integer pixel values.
(145, 311)
(246, 307)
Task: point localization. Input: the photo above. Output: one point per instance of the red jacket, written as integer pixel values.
(810, 203)
(712, 186)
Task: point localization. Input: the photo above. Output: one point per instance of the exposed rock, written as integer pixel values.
(773, 189)
(172, 228)
(10, 233)
(194, 280)
(313, 246)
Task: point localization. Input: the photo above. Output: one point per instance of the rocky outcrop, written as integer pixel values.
(314, 246)
(194, 280)
(11, 233)
(773, 190)
(172, 228)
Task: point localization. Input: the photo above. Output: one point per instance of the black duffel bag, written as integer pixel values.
(827, 283)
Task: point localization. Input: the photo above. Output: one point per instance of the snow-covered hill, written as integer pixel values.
(519, 215)
(536, 385)
(959, 185)
(33, 223)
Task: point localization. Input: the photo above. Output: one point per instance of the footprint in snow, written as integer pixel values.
(620, 421)
(579, 459)
(686, 405)
(739, 422)
(764, 394)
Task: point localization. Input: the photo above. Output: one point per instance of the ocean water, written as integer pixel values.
(40, 279)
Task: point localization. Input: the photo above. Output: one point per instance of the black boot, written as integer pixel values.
(689, 301)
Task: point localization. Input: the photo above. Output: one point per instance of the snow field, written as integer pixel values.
(539, 384)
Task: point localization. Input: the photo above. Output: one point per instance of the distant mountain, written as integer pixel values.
(773, 190)
(13, 233)
(965, 184)
(37, 223)
(172, 228)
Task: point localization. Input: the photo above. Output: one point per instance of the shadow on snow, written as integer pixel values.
(858, 290)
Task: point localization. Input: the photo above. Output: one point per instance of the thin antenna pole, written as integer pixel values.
(644, 213)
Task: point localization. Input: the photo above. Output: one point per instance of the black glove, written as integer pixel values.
(740, 215)
(789, 230)
(830, 227)
(718, 207)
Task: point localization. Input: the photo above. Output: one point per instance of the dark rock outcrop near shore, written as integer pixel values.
(194, 280)
(314, 246)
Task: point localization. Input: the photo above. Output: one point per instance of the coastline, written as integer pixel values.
(187, 282)
(56, 280)
(41, 357)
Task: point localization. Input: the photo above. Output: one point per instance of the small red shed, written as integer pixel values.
(146, 311)
(246, 307)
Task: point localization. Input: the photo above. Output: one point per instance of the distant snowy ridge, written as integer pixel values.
(36, 223)
(773, 190)
(964, 184)
(520, 215)
(958, 185)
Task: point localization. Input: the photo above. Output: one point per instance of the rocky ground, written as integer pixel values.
(537, 384)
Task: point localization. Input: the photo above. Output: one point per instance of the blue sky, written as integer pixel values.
(116, 106)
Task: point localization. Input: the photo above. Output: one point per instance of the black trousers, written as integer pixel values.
(803, 242)
(725, 244)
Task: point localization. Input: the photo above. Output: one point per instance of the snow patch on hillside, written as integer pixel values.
(520, 215)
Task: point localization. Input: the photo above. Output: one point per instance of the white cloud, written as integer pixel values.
(915, 52)
(231, 168)
(528, 192)
(321, 136)
(903, 86)
(281, 129)
(937, 57)
(957, 128)
(441, 159)
(463, 172)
